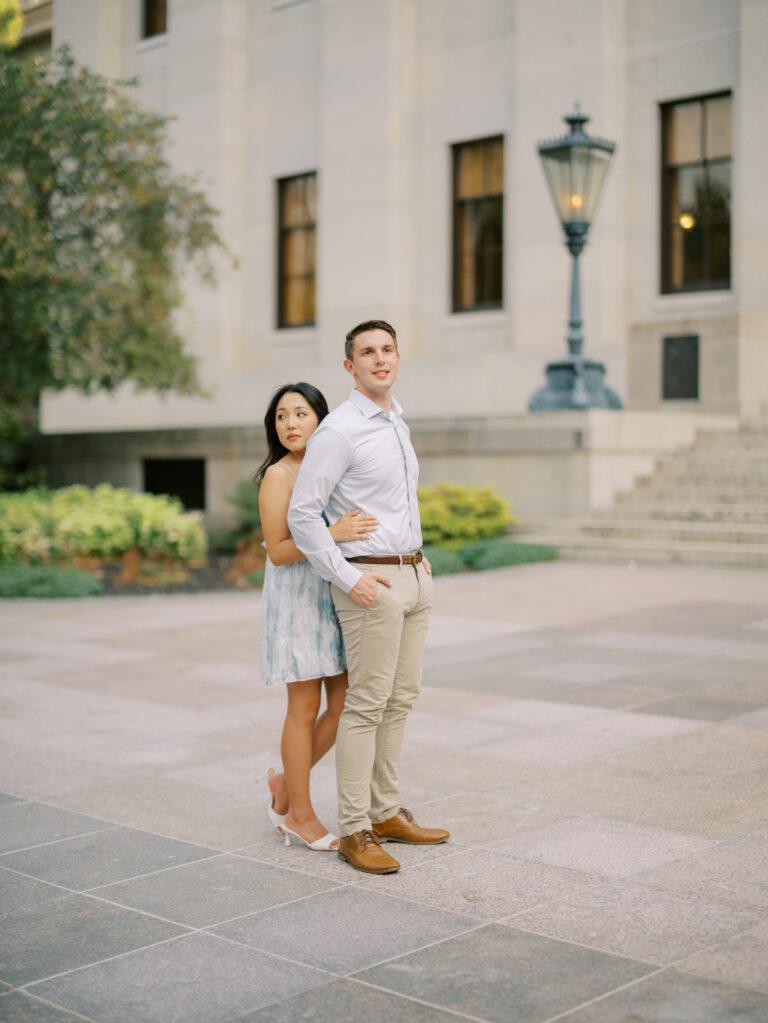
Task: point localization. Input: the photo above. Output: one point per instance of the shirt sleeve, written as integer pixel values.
(325, 461)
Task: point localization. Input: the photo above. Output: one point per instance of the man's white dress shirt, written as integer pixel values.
(359, 457)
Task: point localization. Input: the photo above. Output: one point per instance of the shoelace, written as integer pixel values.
(407, 814)
(368, 838)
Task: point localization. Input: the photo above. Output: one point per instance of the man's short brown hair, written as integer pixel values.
(361, 328)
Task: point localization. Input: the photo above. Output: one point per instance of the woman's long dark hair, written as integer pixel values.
(275, 450)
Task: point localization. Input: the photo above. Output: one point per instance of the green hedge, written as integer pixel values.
(453, 515)
(45, 581)
(500, 553)
(444, 561)
(41, 525)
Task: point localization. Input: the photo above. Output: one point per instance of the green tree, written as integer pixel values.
(96, 230)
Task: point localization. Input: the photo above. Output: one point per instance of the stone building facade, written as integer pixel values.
(331, 135)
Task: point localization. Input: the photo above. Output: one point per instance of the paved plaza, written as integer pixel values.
(595, 738)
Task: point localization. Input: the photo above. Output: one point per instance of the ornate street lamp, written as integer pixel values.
(575, 167)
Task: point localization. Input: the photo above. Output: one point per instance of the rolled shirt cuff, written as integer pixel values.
(348, 577)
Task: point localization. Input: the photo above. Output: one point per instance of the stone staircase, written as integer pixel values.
(707, 504)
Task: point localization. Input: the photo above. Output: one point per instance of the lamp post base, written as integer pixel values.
(574, 382)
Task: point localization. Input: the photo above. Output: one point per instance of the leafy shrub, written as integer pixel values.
(45, 581)
(444, 561)
(43, 525)
(256, 578)
(223, 539)
(487, 554)
(245, 498)
(452, 514)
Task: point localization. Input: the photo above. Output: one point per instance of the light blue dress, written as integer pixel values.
(300, 633)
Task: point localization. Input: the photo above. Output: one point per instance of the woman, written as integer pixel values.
(301, 641)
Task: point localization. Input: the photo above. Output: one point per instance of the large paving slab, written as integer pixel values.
(494, 972)
(198, 979)
(347, 930)
(595, 739)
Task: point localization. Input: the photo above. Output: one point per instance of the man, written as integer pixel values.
(361, 457)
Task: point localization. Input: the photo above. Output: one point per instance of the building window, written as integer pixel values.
(478, 224)
(696, 194)
(680, 368)
(178, 477)
(154, 18)
(297, 217)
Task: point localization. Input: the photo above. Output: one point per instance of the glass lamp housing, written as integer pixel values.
(575, 167)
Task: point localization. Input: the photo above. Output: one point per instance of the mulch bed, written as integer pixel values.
(133, 575)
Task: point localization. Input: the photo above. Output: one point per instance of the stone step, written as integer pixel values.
(695, 511)
(678, 530)
(679, 477)
(651, 491)
(736, 461)
(581, 548)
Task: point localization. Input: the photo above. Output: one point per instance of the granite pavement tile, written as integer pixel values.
(19, 1007)
(18, 892)
(224, 887)
(584, 671)
(751, 719)
(701, 708)
(196, 979)
(608, 731)
(156, 680)
(483, 883)
(36, 772)
(226, 826)
(28, 824)
(103, 857)
(680, 644)
(6, 799)
(611, 848)
(345, 1000)
(632, 920)
(64, 935)
(607, 695)
(742, 961)
(733, 872)
(439, 773)
(345, 930)
(671, 997)
(706, 808)
(479, 818)
(486, 972)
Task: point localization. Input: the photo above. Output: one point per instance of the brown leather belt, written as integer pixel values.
(390, 559)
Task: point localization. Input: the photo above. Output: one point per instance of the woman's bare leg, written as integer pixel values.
(326, 726)
(323, 735)
(296, 749)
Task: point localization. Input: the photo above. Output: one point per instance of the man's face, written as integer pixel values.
(374, 363)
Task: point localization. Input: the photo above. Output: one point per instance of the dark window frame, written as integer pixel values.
(282, 234)
(457, 204)
(665, 285)
(152, 11)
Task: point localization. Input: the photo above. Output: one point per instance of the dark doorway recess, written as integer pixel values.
(180, 477)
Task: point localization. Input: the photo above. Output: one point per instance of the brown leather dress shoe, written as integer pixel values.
(403, 828)
(363, 852)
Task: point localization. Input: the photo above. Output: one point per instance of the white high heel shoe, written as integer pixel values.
(277, 820)
(324, 844)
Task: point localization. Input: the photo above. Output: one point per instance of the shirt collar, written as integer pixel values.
(370, 408)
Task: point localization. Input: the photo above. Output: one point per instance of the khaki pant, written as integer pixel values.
(385, 646)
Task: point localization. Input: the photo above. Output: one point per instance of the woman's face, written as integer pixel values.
(295, 421)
